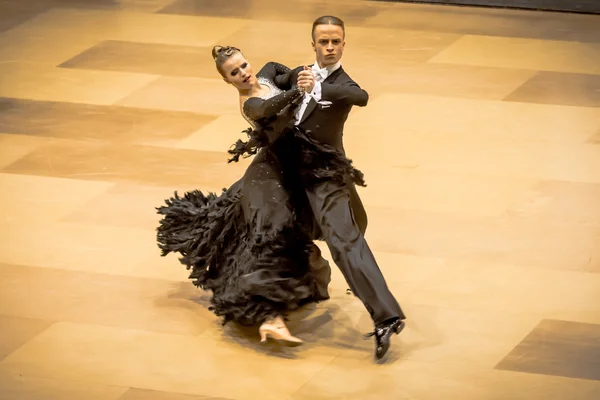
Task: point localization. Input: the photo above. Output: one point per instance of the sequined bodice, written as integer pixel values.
(271, 85)
(273, 91)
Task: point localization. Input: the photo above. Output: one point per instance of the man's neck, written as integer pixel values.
(329, 67)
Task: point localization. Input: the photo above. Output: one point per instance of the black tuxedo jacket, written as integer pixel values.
(327, 123)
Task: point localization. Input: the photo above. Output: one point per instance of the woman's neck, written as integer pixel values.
(254, 91)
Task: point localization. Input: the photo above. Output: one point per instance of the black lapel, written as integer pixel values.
(334, 75)
(312, 104)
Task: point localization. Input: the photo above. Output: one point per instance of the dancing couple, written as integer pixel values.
(252, 246)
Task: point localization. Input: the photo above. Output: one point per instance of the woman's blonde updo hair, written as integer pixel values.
(220, 54)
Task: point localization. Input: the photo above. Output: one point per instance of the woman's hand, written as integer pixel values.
(306, 79)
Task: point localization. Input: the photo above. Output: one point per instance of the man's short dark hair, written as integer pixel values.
(327, 20)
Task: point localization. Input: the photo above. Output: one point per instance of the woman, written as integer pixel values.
(251, 245)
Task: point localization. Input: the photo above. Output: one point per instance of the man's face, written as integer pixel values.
(328, 44)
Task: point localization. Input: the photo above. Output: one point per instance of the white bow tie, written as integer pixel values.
(320, 73)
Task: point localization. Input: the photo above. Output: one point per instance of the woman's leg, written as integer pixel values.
(269, 213)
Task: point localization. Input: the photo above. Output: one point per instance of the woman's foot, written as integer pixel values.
(276, 329)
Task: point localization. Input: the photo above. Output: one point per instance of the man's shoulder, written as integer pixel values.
(341, 73)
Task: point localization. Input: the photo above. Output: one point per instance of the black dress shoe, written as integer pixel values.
(383, 333)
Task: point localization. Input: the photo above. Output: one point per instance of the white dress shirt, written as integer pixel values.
(320, 75)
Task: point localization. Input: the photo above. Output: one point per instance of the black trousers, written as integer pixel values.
(342, 221)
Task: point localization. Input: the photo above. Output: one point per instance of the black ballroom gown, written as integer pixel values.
(249, 245)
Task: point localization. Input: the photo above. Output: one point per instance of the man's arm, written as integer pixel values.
(347, 92)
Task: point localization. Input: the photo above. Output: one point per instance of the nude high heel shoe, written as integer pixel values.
(276, 329)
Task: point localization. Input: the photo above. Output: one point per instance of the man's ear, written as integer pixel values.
(313, 46)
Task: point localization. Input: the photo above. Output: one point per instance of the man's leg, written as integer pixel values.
(321, 273)
(319, 267)
(358, 210)
(330, 203)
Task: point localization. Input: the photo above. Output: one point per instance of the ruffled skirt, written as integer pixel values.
(255, 266)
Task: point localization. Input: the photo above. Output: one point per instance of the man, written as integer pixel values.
(337, 209)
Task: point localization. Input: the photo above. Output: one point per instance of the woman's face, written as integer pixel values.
(238, 71)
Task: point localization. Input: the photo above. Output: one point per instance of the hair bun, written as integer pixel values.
(226, 50)
(215, 51)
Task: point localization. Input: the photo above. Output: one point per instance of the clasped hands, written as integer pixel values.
(306, 80)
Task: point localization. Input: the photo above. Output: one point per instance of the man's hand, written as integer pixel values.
(306, 79)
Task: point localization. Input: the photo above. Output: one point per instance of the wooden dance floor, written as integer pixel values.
(481, 149)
